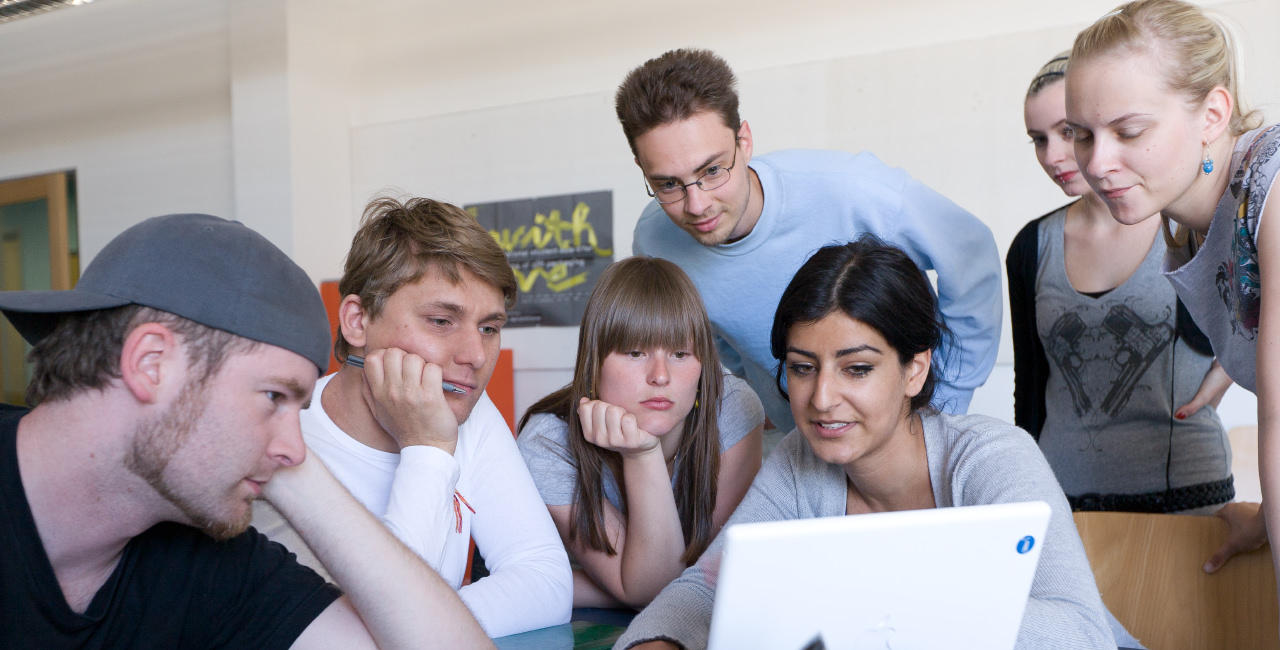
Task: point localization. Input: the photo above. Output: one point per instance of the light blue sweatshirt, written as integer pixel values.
(813, 198)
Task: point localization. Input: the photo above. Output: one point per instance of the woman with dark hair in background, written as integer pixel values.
(855, 333)
(642, 457)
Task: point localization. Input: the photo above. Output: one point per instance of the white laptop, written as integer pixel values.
(942, 578)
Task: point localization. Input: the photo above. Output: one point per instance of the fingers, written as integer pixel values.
(394, 373)
(611, 427)
(1246, 531)
(1189, 409)
(1220, 557)
(403, 392)
(602, 422)
(1212, 388)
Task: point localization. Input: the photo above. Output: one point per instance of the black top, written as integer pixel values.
(174, 587)
(1030, 365)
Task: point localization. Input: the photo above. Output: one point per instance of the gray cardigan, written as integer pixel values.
(973, 460)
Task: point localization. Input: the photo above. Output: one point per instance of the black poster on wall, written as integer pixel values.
(557, 247)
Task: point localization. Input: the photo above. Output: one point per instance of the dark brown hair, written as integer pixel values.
(83, 351)
(398, 242)
(875, 284)
(676, 86)
(641, 303)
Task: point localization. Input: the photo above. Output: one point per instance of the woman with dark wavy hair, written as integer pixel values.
(642, 457)
(854, 334)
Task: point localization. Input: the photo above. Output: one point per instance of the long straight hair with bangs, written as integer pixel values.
(637, 304)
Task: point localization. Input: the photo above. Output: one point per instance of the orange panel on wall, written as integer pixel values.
(329, 293)
(502, 388)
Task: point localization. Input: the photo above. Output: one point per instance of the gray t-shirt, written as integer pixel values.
(544, 443)
(973, 460)
(1118, 373)
(1221, 284)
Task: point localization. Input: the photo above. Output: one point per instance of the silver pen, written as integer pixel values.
(358, 361)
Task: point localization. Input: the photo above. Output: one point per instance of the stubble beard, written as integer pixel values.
(156, 443)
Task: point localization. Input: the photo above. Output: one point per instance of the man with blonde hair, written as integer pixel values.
(405, 424)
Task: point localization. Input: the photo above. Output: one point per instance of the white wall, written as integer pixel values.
(288, 114)
(942, 103)
(134, 98)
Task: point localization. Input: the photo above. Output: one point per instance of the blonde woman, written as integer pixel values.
(1110, 374)
(1153, 99)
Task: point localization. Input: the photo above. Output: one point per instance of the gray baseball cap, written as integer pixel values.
(212, 271)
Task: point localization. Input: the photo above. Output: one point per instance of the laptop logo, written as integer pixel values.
(882, 633)
(1025, 544)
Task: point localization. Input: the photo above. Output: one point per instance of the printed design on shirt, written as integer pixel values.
(1238, 281)
(1102, 366)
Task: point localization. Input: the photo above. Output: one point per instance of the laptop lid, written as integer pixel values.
(939, 578)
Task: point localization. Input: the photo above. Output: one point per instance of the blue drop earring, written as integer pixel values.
(1207, 164)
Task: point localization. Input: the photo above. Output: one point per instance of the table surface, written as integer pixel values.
(587, 629)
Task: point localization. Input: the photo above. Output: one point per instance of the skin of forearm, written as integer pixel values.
(1269, 458)
(402, 601)
(654, 540)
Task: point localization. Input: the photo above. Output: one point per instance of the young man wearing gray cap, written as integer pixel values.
(165, 397)
(742, 226)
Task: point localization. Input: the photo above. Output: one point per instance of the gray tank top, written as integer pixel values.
(1117, 372)
(1221, 284)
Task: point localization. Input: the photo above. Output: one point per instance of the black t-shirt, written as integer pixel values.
(174, 586)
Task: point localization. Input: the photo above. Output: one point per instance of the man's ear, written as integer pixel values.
(150, 361)
(352, 319)
(745, 140)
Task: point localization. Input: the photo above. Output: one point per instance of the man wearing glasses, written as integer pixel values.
(749, 223)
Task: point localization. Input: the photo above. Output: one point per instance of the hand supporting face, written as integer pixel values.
(403, 393)
(612, 427)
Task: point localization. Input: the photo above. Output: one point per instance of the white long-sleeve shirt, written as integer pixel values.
(530, 584)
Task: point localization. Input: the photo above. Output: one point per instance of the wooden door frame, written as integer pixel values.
(53, 189)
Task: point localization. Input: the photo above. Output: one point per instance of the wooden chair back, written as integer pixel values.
(1148, 568)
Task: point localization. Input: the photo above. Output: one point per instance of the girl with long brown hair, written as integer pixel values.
(645, 454)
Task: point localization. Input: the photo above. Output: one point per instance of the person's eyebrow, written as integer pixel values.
(857, 348)
(1118, 120)
(1052, 127)
(295, 390)
(839, 353)
(706, 163)
(451, 307)
(1126, 117)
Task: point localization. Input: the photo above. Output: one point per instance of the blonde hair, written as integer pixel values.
(1050, 73)
(398, 241)
(1197, 51)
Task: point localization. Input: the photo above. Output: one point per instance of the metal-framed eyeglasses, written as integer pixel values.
(672, 190)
